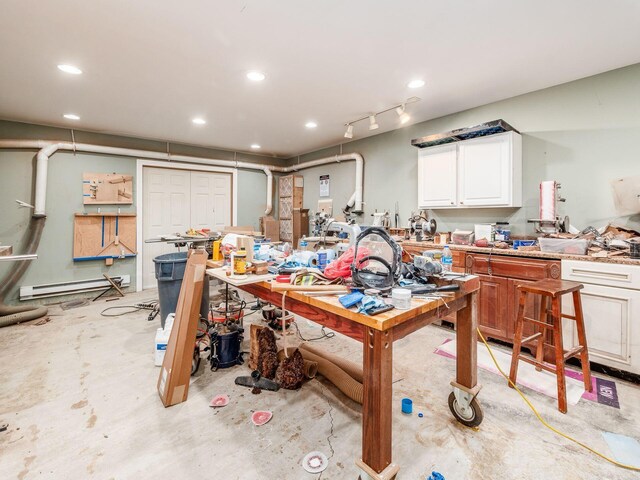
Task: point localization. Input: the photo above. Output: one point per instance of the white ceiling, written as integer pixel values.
(150, 66)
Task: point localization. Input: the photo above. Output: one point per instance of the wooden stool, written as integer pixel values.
(551, 291)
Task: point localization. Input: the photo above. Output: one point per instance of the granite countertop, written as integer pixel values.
(519, 253)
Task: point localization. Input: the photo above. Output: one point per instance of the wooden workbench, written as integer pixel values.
(377, 335)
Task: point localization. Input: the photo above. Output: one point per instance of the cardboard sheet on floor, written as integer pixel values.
(543, 382)
(173, 383)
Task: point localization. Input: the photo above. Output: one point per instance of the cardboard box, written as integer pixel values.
(300, 224)
(270, 228)
(173, 383)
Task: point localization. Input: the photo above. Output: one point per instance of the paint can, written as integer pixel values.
(239, 260)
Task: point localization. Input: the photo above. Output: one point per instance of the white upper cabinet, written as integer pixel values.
(480, 172)
(437, 176)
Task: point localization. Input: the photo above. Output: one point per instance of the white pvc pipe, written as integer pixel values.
(356, 199)
(269, 190)
(46, 149)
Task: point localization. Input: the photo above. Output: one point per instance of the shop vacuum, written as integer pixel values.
(226, 335)
(226, 344)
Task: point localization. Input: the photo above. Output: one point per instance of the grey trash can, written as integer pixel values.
(169, 273)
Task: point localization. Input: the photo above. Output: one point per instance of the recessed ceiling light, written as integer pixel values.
(199, 121)
(415, 84)
(71, 116)
(69, 69)
(256, 76)
(255, 146)
(311, 124)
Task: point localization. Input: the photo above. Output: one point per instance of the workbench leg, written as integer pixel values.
(376, 406)
(467, 343)
(462, 401)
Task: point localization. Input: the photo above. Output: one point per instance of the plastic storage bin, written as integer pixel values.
(523, 243)
(574, 246)
(169, 272)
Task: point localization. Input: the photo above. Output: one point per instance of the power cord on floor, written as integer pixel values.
(149, 305)
(542, 420)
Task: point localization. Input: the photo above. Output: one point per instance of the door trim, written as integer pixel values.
(193, 167)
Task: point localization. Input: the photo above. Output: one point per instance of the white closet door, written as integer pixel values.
(210, 200)
(166, 209)
(176, 200)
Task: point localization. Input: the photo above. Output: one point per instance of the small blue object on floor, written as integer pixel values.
(420, 415)
(435, 476)
(407, 405)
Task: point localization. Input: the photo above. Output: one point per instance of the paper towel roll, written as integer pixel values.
(307, 259)
(548, 200)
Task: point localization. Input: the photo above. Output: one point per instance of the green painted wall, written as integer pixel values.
(583, 134)
(64, 197)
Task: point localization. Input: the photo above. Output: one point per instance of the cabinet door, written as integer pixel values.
(437, 168)
(493, 306)
(611, 317)
(485, 171)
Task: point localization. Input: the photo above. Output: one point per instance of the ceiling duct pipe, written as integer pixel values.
(46, 149)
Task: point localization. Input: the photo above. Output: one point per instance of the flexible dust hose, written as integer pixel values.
(24, 316)
(33, 235)
(10, 314)
(354, 370)
(341, 379)
(310, 367)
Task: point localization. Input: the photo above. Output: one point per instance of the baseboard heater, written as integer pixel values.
(69, 288)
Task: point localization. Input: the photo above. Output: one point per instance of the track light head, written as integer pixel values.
(349, 132)
(372, 123)
(404, 116)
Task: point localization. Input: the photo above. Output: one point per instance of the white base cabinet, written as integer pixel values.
(480, 172)
(611, 312)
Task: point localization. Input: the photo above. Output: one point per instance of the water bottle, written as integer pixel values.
(303, 243)
(447, 259)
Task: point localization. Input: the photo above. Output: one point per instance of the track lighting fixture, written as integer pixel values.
(349, 132)
(400, 109)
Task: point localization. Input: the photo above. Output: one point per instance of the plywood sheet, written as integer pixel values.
(173, 383)
(98, 236)
(107, 188)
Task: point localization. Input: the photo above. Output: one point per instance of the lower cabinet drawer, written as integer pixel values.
(512, 267)
(600, 273)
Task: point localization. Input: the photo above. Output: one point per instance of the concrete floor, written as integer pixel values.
(79, 395)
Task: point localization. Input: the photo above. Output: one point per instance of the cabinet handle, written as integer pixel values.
(452, 203)
(461, 203)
